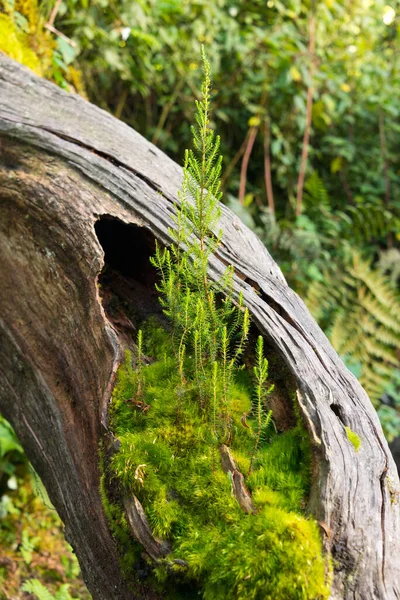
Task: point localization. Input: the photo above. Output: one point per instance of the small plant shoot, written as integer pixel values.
(353, 438)
(203, 314)
(220, 492)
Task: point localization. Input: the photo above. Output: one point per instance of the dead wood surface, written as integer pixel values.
(65, 164)
(239, 489)
(139, 525)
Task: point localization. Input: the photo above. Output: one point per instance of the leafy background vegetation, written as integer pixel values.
(307, 109)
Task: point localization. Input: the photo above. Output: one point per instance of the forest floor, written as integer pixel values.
(32, 545)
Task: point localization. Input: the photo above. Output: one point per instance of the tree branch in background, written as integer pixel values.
(243, 171)
(50, 24)
(306, 138)
(121, 104)
(53, 13)
(382, 138)
(267, 166)
(346, 188)
(234, 162)
(165, 111)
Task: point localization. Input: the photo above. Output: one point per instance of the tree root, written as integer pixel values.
(140, 528)
(239, 489)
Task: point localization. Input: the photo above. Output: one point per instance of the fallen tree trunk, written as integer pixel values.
(78, 188)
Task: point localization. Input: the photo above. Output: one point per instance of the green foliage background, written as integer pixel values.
(32, 544)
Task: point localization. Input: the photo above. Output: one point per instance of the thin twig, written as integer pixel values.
(267, 166)
(53, 13)
(50, 25)
(166, 110)
(60, 34)
(306, 138)
(140, 529)
(239, 489)
(233, 162)
(121, 104)
(243, 171)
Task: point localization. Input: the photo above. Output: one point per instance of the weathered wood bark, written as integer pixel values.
(139, 525)
(395, 450)
(239, 489)
(64, 164)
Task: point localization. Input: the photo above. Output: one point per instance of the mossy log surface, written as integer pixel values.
(71, 174)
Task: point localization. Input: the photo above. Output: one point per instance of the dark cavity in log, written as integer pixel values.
(127, 281)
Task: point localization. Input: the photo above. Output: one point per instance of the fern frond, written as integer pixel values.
(34, 586)
(315, 192)
(389, 264)
(364, 320)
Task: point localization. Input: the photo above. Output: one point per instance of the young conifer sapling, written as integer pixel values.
(204, 315)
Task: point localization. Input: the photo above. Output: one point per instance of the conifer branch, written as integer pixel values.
(204, 314)
(263, 418)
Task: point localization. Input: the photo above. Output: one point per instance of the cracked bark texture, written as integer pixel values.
(63, 164)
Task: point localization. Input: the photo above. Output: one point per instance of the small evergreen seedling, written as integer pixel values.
(203, 313)
(139, 369)
(263, 418)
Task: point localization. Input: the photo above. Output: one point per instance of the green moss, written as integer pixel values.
(25, 38)
(15, 43)
(353, 438)
(275, 553)
(172, 416)
(129, 549)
